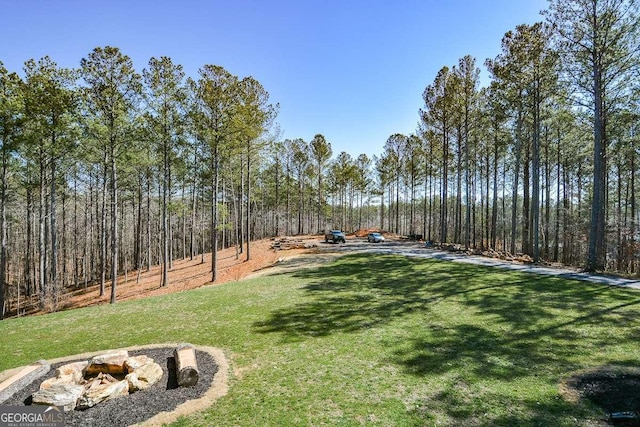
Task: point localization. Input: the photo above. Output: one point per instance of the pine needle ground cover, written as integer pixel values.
(373, 340)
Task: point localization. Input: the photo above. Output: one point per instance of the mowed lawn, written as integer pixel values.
(372, 340)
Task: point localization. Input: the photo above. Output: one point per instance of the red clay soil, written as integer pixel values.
(184, 275)
(187, 274)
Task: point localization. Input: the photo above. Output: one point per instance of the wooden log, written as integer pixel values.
(187, 373)
(21, 378)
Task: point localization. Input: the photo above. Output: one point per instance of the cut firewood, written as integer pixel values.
(187, 373)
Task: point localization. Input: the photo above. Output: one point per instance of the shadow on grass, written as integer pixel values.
(362, 291)
(464, 407)
(464, 320)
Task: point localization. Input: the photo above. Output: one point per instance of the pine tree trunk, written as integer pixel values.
(382, 209)
(494, 208)
(192, 234)
(165, 216)
(3, 229)
(535, 197)
(488, 231)
(596, 259)
(547, 182)
(54, 235)
(214, 214)
(632, 196)
(556, 240)
(88, 249)
(300, 203)
(148, 220)
(42, 239)
(28, 268)
(516, 179)
(76, 227)
(277, 196)
(241, 207)
(526, 202)
(444, 184)
(619, 221)
(467, 167)
(431, 196)
(318, 228)
(64, 280)
(137, 245)
(288, 203)
(457, 227)
(248, 201)
(114, 225)
(566, 234)
(103, 232)
(397, 201)
(184, 222)
(426, 200)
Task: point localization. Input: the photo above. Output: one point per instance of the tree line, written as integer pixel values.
(107, 170)
(542, 161)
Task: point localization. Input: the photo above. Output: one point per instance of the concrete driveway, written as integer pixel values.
(415, 249)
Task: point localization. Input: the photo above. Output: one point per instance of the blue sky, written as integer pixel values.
(352, 70)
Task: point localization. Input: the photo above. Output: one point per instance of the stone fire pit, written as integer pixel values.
(163, 402)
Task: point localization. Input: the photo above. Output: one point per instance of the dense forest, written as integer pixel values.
(105, 169)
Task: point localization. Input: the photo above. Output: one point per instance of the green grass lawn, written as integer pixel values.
(372, 340)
